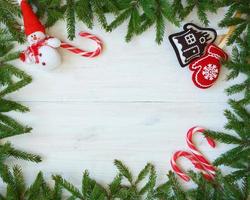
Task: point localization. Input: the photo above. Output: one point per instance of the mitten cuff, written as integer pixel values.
(214, 50)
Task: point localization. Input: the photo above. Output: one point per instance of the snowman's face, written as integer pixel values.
(36, 37)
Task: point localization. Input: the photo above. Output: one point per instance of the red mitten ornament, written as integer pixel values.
(207, 68)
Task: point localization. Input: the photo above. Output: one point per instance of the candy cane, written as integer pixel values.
(195, 162)
(84, 53)
(207, 165)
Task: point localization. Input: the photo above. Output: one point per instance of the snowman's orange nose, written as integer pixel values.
(34, 38)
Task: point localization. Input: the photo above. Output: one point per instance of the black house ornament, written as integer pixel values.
(191, 43)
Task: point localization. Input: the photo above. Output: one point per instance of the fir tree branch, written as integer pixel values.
(7, 105)
(9, 151)
(124, 171)
(223, 137)
(6, 73)
(68, 186)
(70, 18)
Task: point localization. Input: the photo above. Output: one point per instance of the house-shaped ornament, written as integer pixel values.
(191, 43)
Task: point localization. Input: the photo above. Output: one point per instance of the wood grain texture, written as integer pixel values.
(133, 103)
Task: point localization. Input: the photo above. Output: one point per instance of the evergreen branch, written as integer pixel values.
(98, 9)
(231, 21)
(124, 171)
(5, 174)
(120, 19)
(160, 28)
(91, 189)
(182, 11)
(8, 178)
(245, 188)
(57, 192)
(68, 186)
(143, 173)
(204, 190)
(36, 190)
(231, 189)
(19, 182)
(223, 137)
(9, 151)
(53, 16)
(179, 193)
(115, 186)
(237, 175)
(233, 155)
(11, 127)
(70, 18)
(238, 31)
(236, 88)
(84, 12)
(239, 126)
(7, 105)
(10, 57)
(5, 37)
(240, 111)
(149, 187)
(10, 70)
(8, 14)
(134, 24)
(164, 191)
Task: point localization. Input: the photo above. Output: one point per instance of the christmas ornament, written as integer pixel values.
(81, 52)
(207, 68)
(194, 161)
(191, 43)
(195, 156)
(194, 46)
(42, 49)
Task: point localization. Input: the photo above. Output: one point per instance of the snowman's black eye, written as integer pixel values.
(32, 36)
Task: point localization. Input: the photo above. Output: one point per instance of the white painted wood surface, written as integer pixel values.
(133, 103)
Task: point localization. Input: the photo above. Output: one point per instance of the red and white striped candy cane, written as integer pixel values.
(84, 53)
(195, 162)
(207, 165)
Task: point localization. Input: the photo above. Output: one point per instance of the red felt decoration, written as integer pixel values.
(207, 68)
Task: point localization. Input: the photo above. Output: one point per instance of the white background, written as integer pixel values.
(133, 103)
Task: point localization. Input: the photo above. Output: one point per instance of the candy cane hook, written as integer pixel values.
(84, 53)
(207, 165)
(195, 162)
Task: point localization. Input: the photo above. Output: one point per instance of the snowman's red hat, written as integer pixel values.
(31, 21)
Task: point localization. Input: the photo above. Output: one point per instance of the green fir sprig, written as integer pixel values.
(9, 11)
(11, 80)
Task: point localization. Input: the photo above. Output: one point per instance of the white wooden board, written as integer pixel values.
(133, 103)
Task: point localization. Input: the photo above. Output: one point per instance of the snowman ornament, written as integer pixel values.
(42, 50)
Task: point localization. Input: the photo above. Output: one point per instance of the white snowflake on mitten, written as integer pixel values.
(210, 72)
